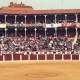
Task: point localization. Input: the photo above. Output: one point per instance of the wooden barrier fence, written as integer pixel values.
(39, 56)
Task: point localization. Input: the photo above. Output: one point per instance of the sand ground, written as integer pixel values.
(40, 70)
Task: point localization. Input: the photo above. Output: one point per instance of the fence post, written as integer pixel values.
(62, 57)
(20, 57)
(3, 58)
(79, 57)
(54, 56)
(71, 56)
(29, 55)
(37, 55)
(12, 57)
(45, 56)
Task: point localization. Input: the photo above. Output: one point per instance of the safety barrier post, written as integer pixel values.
(71, 56)
(45, 56)
(3, 58)
(54, 56)
(37, 55)
(12, 57)
(62, 57)
(79, 57)
(29, 55)
(20, 57)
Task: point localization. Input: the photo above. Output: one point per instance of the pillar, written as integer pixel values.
(15, 20)
(76, 23)
(66, 31)
(45, 26)
(45, 18)
(5, 32)
(35, 32)
(66, 20)
(76, 30)
(55, 32)
(35, 20)
(25, 20)
(45, 33)
(5, 18)
(76, 19)
(35, 26)
(25, 33)
(55, 18)
(15, 32)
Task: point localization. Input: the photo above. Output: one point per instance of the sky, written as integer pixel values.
(46, 4)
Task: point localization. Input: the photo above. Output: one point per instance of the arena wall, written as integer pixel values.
(39, 57)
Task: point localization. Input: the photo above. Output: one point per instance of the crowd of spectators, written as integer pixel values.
(20, 44)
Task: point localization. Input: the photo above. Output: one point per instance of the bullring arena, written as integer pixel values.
(40, 70)
(39, 44)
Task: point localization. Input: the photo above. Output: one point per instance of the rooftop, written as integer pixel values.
(22, 9)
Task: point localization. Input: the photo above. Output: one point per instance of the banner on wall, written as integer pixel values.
(67, 25)
(63, 25)
(2, 25)
(71, 24)
(52, 25)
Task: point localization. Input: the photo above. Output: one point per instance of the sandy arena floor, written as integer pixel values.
(40, 70)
